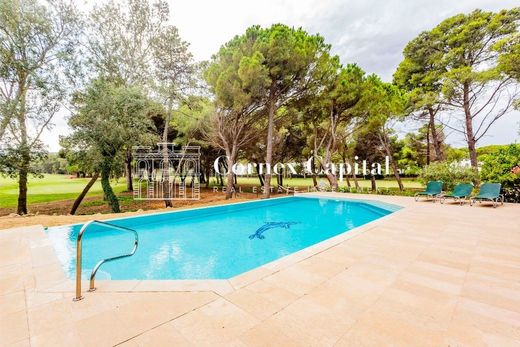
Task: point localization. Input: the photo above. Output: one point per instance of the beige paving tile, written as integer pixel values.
(296, 280)
(11, 303)
(46, 317)
(13, 328)
(102, 329)
(44, 255)
(321, 266)
(502, 271)
(253, 303)
(349, 301)
(221, 287)
(65, 336)
(500, 314)
(164, 335)
(36, 298)
(470, 336)
(268, 334)
(89, 306)
(432, 282)
(386, 328)
(449, 258)
(218, 322)
(482, 323)
(273, 293)
(49, 275)
(10, 270)
(249, 277)
(405, 280)
(311, 324)
(11, 283)
(13, 252)
(150, 310)
(495, 294)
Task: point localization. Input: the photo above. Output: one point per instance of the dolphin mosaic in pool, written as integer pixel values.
(270, 225)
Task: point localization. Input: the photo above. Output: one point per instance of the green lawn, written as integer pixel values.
(50, 188)
(62, 187)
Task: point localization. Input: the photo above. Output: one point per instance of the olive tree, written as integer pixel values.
(107, 117)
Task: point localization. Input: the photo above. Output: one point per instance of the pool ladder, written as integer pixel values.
(101, 262)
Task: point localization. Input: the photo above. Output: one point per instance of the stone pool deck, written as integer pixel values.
(427, 275)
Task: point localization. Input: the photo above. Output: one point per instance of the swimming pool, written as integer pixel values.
(213, 242)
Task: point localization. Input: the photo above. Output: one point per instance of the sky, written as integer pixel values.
(370, 33)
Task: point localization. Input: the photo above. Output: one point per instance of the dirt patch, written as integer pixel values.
(56, 213)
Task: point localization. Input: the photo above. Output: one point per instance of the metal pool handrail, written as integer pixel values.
(96, 268)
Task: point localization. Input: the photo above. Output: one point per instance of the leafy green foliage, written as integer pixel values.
(12, 159)
(450, 174)
(38, 42)
(110, 118)
(503, 166)
(465, 63)
(500, 166)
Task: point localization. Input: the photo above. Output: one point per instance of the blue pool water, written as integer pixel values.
(214, 242)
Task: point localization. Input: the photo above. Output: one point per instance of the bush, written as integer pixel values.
(504, 166)
(450, 174)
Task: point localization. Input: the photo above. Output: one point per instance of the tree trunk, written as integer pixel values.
(202, 176)
(396, 173)
(260, 177)
(469, 128)
(230, 179)
(220, 178)
(437, 144)
(128, 171)
(22, 190)
(79, 199)
(166, 177)
(428, 143)
(269, 149)
(386, 145)
(279, 178)
(166, 160)
(25, 154)
(229, 185)
(373, 185)
(331, 177)
(208, 174)
(313, 172)
(111, 198)
(356, 183)
(331, 145)
(333, 181)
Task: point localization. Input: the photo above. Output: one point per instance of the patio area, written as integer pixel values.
(427, 275)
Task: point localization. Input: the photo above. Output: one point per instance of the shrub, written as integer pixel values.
(501, 166)
(450, 174)
(504, 166)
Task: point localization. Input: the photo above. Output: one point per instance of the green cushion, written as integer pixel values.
(489, 191)
(461, 190)
(432, 188)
